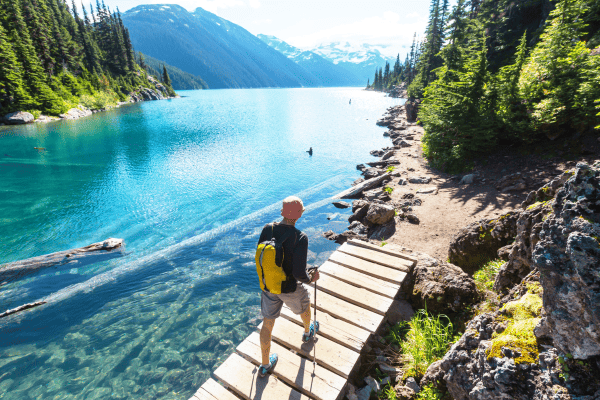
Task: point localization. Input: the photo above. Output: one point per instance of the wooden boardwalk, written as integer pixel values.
(356, 289)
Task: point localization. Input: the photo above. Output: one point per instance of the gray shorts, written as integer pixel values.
(298, 302)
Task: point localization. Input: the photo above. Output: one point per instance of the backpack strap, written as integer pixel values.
(262, 270)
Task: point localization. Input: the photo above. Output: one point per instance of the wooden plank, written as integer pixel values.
(389, 248)
(369, 268)
(346, 311)
(335, 329)
(241, 376)
(356, 190)
(375, 285)
(330, 354)
(355, 295)
(376, 257)
(295, 370)
(211, 390)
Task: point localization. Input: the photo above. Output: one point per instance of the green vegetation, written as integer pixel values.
(492, 72)
(52, 59)
(180, 80)
(388, 189)
(522, 316)
(429, 393)
(390, 168)
(422, 340)
(486, 275)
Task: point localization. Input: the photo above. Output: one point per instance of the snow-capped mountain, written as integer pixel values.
(360, 59)
(326, 71)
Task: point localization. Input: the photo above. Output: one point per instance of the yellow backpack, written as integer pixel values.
(269, 263)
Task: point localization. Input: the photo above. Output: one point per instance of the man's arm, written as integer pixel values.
(299, 260)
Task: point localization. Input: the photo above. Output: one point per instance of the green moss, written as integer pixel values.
(522, 316)
(485, 276)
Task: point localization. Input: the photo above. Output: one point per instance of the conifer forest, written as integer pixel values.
(491, 72)
(55, 56)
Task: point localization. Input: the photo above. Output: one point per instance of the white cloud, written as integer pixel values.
(387, 30)
(254, 3)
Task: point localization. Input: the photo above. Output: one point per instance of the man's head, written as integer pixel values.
(292, 208)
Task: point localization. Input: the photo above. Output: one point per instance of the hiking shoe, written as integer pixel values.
(312, 331)
(262, 371)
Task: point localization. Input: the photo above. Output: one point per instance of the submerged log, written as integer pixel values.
(358, 189)
(21, 308)
(110, 248)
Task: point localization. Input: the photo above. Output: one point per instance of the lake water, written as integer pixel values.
(188, 184)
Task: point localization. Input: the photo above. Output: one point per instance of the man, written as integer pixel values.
(293, 293)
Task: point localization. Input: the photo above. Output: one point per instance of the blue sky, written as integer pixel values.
(307, 23)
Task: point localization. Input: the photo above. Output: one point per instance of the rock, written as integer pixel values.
(332, 216)
(358, 181)
(358, 228)
(404, 393)
(386, 134)
(504, 252)
(341, 204)
(402, 144)
(372, 383)
(400, 310)
(361, 167)
(428, 190)
(441, 287)
(419, 179)
(387, 155)
(382, 232)
(389, 370)
(469, 374)
(537, 207)
(412, 108)
(411, 383)
(402, 182)
(18, 118)
(434, 376)
(467, 179)
(567, 256)
(75, 113)
(511, 182)
(364, 393)
(351, 392)
(412, 218)
(356, 204)
(376, 153)
(479, 242)
(372, 173)
(379, 214)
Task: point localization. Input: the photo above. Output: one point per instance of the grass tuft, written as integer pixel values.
(486, 275)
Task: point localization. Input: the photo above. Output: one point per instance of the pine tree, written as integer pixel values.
(165, 77)
(12, 87)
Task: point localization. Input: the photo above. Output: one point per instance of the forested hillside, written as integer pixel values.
(180, 80)
(53, 59)
(503, 72)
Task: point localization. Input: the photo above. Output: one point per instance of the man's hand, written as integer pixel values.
(315, 276)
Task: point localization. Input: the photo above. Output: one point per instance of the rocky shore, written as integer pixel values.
(159, 92)
(535, 334)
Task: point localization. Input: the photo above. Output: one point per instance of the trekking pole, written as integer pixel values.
(315, 327)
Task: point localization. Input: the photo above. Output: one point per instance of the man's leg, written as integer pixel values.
(306, 319)
(265, 339)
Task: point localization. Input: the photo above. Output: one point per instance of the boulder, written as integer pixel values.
(419, 179)
(400, 310)
(358, 228)
(356, 204)
(376, 153)
(441, 287)
(341, 204)
(412, 218)
(467, 179)
(372, 173)
(361, 167)
(358, 181)
(18, 118)
(567, 256)
(412, 109)
(434, 376)
(379, 214)
(513, 182)
(360, 213)
(536, 207)
(412, 383)
(479, 242)
(382, 232)
(387, 155)
(404, 393)
(470, 374)
(376, 194)
(75, 113)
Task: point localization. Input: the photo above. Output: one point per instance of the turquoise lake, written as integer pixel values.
(188, 184)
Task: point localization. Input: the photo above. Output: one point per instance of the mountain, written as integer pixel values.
(360, 60)
(180, 80)
(326, 71)
(224, 54)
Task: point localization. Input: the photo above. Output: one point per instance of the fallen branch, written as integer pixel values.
(358, 189)
(93, 253)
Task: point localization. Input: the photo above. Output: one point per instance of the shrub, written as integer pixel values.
(485, 276)
(422, 340)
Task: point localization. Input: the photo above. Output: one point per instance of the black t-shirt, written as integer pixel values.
(295, 253)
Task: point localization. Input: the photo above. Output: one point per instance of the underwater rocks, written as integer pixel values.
(480, 241)
(567, 256)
